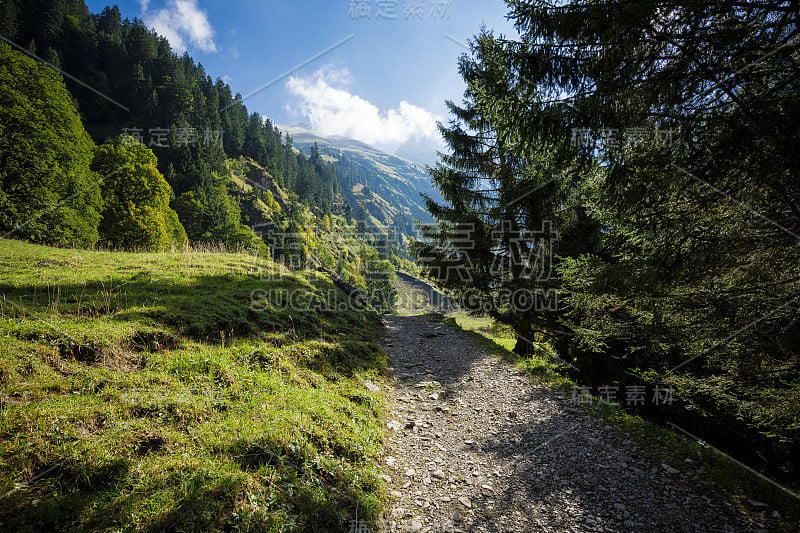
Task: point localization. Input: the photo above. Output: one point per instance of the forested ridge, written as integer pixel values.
(172, 140)
(636, 163)
(171, 105)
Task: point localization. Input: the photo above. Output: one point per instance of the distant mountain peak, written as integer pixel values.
(421, 150)
(396, 182)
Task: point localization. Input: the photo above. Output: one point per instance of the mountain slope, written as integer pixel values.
(394, 185)
(419, 150)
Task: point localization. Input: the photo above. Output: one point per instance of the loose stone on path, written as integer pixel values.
(474, 445)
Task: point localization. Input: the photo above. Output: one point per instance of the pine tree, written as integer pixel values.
(496, 235)
(47, 191)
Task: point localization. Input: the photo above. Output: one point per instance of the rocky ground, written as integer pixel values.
(476, 445)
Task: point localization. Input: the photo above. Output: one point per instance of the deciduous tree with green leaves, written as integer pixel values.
(136, 212)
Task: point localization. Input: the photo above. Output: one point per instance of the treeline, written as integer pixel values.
(57, 186)
(169, 103)
(660, 143)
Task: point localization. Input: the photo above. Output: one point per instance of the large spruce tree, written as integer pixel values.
(672, 131)
(691, 110)
(48, 193)
(508, 213)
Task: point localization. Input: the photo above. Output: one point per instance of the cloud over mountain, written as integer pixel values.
(183, 23)
(333, 110)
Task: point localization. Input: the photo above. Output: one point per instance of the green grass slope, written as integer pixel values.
(178, 391)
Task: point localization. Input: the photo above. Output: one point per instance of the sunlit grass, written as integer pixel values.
(543, 363)
(152, 391)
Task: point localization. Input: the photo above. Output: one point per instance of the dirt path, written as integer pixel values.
(475, 445)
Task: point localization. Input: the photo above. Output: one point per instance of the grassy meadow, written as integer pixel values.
(181, 391)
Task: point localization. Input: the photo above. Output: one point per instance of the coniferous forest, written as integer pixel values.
(191, 122)
(627, 173)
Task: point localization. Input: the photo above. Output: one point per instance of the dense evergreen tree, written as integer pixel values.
(47, 191)
(505, 219)
(670, 131)
(721, 79)
(714, 87)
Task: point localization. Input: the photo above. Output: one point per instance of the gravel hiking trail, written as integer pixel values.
(475, 444)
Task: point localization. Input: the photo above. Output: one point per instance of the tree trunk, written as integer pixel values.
(524, 346)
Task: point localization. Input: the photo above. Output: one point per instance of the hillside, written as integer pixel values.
(420, 150)
(395, 183)
(260, 198)
(182, 391)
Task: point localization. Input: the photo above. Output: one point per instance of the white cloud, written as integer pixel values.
(144, 4)
(182, 23)
(332, 110)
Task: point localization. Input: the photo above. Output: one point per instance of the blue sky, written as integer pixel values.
(387, 84)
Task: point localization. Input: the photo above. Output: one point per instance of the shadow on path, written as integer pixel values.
(475, 445)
